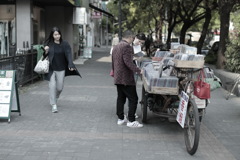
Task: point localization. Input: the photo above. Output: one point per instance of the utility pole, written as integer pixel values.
(107, 32)
(120, 19)
(101, 33)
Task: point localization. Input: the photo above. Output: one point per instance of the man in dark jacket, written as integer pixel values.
(124, 69)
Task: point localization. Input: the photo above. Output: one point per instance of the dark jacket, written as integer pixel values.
(69, 62)
(123, 66)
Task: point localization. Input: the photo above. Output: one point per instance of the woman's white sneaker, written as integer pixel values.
(54, 108)
(134, 124)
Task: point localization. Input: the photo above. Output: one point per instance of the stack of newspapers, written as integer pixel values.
(154, 79)
(185, 49)
(207, 73)
(163, 54)
(188, 60)
(189, 57)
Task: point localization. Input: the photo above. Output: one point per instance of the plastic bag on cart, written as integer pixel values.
(214, 83)
(212, 79)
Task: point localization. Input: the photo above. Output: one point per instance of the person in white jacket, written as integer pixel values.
(115, 41)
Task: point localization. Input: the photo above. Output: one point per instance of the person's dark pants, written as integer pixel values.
(130, 93)
(148, 50)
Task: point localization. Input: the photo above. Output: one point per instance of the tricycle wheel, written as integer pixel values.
(192, 128)
(144, 105)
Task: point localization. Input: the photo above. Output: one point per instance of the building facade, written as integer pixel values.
(24, 23)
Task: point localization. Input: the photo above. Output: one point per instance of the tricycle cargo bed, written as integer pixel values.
(160, 90)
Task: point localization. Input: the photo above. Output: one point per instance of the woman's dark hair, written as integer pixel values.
(50, 38)
(141, 36)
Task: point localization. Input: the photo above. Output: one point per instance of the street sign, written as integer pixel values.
(182, 109)
(79, 15)
(96, 15)
(9, 99)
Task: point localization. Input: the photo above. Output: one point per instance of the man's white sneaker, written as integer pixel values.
(54, 108)
(136, 116)
(122, 121)
(134, 124)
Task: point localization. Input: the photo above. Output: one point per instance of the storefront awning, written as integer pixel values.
(76, 3)
(100, 10)
(7, 1)
(66, 3)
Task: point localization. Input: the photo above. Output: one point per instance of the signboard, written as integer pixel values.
(87, 52)
(9, 100)
(89, 40)
(79, 15)
(182, 109)
(96, 15)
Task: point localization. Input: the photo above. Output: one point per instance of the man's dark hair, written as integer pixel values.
(128, 34)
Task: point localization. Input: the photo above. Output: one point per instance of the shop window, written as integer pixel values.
(7, 30)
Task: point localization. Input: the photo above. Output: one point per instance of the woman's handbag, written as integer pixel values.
(42, 66)
(201, 88)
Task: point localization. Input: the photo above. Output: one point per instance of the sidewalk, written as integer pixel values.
(85, 127)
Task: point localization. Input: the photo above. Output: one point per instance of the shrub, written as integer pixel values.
(211, 58)
(232, 55)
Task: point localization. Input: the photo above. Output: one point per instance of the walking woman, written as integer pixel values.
(61, 65)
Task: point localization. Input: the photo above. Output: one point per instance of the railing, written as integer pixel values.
(23, 64)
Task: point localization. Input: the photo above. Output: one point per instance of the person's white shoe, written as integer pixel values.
(122, 121)
(54, 108)
(134, 124)
(136, 116)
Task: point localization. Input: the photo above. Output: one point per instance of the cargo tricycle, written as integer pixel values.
(177, 102)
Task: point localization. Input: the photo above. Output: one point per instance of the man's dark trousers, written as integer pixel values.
(130, 92)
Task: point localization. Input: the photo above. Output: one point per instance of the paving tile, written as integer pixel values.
(85, 127)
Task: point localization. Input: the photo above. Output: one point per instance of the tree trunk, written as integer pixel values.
(170, 29)
(208, 17)
(160, 30)
(184, 29)
(156, 29)
(225, 9)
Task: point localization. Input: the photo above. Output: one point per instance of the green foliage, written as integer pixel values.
(138, 16)
(215, 21)
(112, 7)
(211, 57)
(235, 17)
(232, 55)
